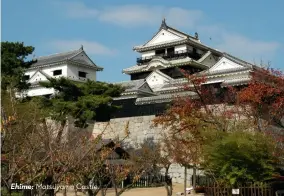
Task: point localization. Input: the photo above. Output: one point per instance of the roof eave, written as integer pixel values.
(84, 65)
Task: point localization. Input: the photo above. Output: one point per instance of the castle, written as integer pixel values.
(156, 80)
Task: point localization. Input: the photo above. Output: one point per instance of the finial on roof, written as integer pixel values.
(196, 35)
(82, 47)
(163, 25)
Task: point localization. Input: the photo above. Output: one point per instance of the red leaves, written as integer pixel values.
(266, 91)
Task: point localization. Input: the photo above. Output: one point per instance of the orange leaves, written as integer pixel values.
(265, 92)
(7, 122)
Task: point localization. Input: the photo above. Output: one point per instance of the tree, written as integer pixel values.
(13, 64)
(81, 101)
(265, 97)
(30, 153)
(240, 157)
(209, 115)
(193, 121)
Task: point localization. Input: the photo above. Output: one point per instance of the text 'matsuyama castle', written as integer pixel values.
(156, 77)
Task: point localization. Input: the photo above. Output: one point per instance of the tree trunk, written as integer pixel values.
(168, 183)
(194, 177)
(115, 187)
(185, 179)
(60, 132)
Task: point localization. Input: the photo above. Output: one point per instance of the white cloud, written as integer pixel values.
(145, 15)
(90, 47)
(249, 49)
(76, 9)
(180, 17)
(238, 45)
(132, 15)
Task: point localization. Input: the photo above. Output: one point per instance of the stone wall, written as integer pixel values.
(134, 129)
(138, 130)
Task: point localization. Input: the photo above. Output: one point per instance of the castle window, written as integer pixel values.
(82, 74)
(26, 77)
(57, 72)
(170, 51)
(160, 52)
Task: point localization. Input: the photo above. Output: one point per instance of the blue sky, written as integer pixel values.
(252, 30)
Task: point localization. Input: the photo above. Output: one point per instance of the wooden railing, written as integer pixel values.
(145, 181)
(252, 190)
(171, 56)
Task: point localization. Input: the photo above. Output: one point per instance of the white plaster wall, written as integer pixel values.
(39, 91)
(72, 73)
(68, 71)
(30, 72)
(48, 71)
(180, 48)
(190, 48)
(209, 61)
(148, 53)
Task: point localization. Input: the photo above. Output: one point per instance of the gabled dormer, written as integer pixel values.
(157, 80)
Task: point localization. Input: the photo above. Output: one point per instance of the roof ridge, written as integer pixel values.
(58, 54)
(204, 56)
(165, 26)
(234, 58)
(181, 32)
(127, 81)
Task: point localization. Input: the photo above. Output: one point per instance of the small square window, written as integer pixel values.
(82, 74)
(57, 72)
(26, 77)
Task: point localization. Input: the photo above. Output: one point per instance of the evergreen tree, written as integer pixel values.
(82, 101)
(13, 64)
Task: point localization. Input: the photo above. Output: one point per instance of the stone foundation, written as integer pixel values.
(136, 130)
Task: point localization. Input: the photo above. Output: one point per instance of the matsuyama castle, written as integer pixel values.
(155, 77)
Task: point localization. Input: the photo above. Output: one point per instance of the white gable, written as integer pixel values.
(157, 79)
(164, 36)
(37, 77)
(82, 58)
(225, 64)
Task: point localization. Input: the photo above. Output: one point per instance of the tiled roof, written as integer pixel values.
(72, 56)
(172, 30)
(225, 71)
(131, 85)
(163, 98)
(204, 56)
(171, 63)
(236, 81)
(55, 57)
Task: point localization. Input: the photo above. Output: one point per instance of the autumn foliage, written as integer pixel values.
(195, 123)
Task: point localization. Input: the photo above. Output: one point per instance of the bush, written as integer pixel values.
(241, 157)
